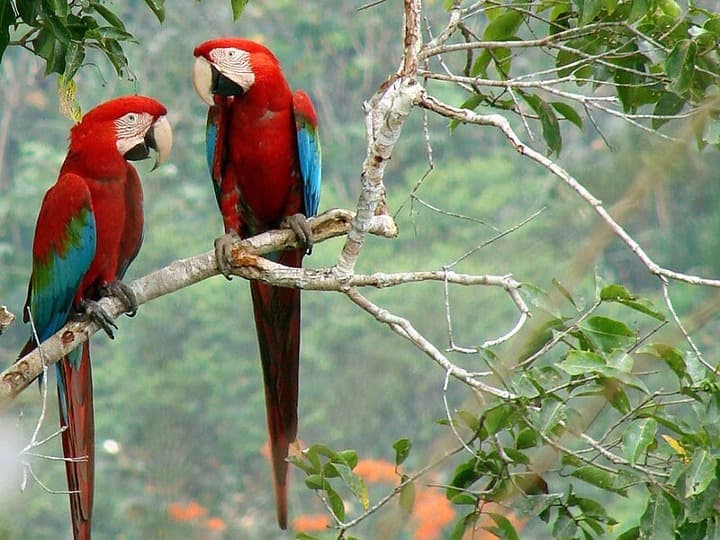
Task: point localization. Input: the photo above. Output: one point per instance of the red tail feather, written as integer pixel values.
(78, 441)
(277, 320)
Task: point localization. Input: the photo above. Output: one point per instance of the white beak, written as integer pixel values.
(202, 79)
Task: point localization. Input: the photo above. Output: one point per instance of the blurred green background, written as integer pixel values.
(178, 394)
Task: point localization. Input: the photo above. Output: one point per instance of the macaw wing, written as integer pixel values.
(63, 250)
(309, 150)
(215, 146)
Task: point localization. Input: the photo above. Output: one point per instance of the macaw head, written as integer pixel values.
(232, 67)
(131, 125)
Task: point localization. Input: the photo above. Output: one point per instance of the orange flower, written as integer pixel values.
(432, 512)
(376, 470)
(186, 512)
(216, 524)
(311, 523)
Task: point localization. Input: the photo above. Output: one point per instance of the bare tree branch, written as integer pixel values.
(175, 276)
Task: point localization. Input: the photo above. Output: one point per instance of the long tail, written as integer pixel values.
(277, 320)
(76, 414)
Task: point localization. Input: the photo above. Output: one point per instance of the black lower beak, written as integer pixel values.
(138, 152)
(142, 150)
(223, 86)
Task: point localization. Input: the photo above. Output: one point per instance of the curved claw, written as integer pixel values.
(223, 245)
(93, 311)
(299, 224)
(125, 293)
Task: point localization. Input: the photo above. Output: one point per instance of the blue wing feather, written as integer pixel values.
(214, 148)
(57, 273)
(309, 152)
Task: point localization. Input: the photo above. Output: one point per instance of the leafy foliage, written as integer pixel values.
(653, 55)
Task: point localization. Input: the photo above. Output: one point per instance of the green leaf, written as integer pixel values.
(567, 112)
(335, 501)
(618, 293)
(237, 8)
(460, 527)
(503, 27)
(321, 450)
(527, 438)
(669, 104)
(28, 11)
(108, 15)
(466, 474)
(102, 33)
(114, 52)
(702, 506)
(680, 65)
(658, 521)
(7, 17)
(550, 128)
(58, 28)
(348, 457)
(355, 484)
(548, 121)
(305, 536)
(590, 10)
(614, 393)
(302, 464)
(497, 418)
(504, 529)
(590, 508)
(158, 8)
(559, 286)
(407, 495)
(73, 60)
(632, 533)
(58, 7)
(669, 354)
(640, 8)
(533, 505)
(315, 481)
(402, 450)
(551, 414)
(470, 104)
(638, 436)
(670, 8)
(581, 363)
(69, 106)
(610, 333)
(609, 327)
(597, 477)
(700, 473)
(517, 456)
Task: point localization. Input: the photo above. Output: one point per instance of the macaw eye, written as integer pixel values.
(232, 53)
(131, 117)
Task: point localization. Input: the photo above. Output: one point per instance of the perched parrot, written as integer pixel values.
(263, 152)
(88, 231)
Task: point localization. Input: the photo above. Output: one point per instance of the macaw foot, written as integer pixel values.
(299, 224)
(223, 245)
(124, 293)
(93, 311)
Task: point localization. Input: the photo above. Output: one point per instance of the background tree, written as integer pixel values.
(596, 416)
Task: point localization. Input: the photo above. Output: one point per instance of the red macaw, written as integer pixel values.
(89, 230)
(263, 152)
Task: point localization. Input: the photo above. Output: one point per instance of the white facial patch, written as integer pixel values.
(234, 64)
(130, 130)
